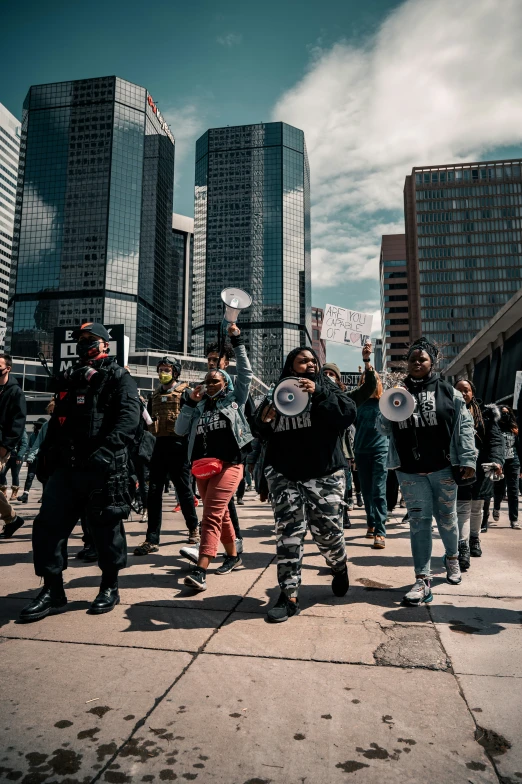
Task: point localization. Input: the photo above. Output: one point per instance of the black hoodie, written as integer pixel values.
(309, 446)
(13, 411)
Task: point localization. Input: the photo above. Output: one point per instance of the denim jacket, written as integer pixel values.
(232, 406)
(462, 443)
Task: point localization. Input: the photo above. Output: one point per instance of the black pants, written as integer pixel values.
(509, 484)
(67, 495)
(14, 466)
(29, 479)
(169, 459)
(234, 518)
(392, 490)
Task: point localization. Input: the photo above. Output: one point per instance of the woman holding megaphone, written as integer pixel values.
(432, 449)
(218, 432)
(303, 422)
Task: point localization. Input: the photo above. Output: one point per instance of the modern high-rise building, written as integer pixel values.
(463, 246)
(94, 214)
(377, 354)
(252, 231)
(181, 284)
(318, 345)
(9, 153)
(393, 275)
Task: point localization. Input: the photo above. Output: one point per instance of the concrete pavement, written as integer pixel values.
(177, 686)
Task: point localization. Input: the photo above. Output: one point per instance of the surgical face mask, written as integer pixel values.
(88, 349)
(165, 378)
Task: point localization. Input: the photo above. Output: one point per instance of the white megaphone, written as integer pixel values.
(396, 404)
(235, 300)
(289, 398)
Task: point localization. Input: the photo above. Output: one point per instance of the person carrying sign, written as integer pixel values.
(85, 460)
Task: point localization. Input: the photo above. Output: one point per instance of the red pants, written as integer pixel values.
(216, 492)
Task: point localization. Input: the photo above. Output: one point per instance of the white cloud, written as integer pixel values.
(230, 39)
(187, 123)
(440, 82)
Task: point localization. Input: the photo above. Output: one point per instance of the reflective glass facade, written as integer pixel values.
(252, 231)
(9, 151)
(464, 246)
(94, 205)
(181, 284)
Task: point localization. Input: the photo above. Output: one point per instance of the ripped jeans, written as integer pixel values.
(432, 495)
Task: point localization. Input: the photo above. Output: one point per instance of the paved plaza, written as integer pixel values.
(177, 686)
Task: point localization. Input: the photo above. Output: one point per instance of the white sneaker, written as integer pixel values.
(453, 573)
(420, 592)
(191, 553)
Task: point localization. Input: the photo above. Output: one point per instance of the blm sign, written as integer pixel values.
(64, 353)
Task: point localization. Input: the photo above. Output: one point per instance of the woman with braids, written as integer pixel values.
(490, 449)
(427, 450)
(509, 429)
(304, 468)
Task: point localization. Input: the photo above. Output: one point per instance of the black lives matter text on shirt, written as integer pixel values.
(214, 438)
(293, 423)
(428, 448)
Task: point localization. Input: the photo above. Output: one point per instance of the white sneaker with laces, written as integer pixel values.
(419, 593)
(453, 573)
(191, 553)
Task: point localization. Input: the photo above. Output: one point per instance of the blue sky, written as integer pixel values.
(377, 87)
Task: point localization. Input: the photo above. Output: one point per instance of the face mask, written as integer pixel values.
(505, 417)
(4, 372)
(165, 378)
(219, 392)
(88, 349)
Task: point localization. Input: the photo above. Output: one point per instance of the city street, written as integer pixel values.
(177, 686)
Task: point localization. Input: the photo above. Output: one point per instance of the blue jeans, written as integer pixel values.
(433, 495)
(372, 476)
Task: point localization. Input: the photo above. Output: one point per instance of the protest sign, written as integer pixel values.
(342, 325)
(64, 353)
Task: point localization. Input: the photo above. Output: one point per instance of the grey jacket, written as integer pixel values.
(232, 405)
(462, 443)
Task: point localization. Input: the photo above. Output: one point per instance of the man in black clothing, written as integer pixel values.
(13, 411)
(85, 458)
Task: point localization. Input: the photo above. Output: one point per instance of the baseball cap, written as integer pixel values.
(94, 328)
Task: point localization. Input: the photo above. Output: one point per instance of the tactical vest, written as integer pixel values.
(166, 406)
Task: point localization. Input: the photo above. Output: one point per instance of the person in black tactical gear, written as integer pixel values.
(13, 410)
(84, 458)
(169, 458)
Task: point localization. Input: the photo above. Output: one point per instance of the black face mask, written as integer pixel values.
(505, 418)
(88, 349)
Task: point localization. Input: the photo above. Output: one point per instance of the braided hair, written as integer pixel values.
(422, 344)
(478, 419)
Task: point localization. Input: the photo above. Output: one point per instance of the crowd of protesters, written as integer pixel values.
(104, 450)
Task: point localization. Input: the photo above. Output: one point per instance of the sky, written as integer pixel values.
(377, 87)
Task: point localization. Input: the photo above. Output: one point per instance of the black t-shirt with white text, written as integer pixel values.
(214, 438)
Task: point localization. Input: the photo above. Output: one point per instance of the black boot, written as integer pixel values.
(108, 596)
(474, 547)
(12, 526)
(282, 610)
(340, 582)
(464, 555)
(87, 553)
(50, 600)
(347, 523)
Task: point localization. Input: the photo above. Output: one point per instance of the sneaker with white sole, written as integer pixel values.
(453, 573)
(196, 579)
(419, 593)
(515, 524)
(230, 563)
(191, 553)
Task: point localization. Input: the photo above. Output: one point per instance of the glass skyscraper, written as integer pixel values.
(93, 215)
(252, 231)
(463, 246)
(9, 152)
(181, 284)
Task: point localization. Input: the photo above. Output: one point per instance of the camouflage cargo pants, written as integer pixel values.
(317, 504)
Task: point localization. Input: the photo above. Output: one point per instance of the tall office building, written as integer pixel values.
(252, 231)
(318, 345)
(463, 246)
(393, 275)
(9, 153)
(94, 214)
(181, 284)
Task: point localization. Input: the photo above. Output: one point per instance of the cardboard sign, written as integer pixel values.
(342, 325)
(518, 387)
(64, 348)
